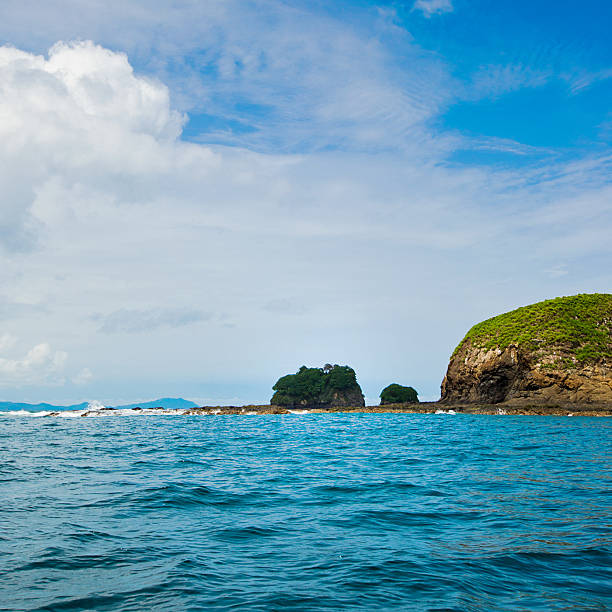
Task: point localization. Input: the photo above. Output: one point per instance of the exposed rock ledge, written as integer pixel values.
(489, 376)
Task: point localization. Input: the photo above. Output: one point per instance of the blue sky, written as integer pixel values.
(537, 74)
(203, 196)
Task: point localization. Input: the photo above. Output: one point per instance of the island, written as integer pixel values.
(398, 394)
(332, 386)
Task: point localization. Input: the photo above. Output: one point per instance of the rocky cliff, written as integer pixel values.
(557, 351)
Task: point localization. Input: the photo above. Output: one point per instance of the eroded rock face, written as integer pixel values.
(491, 376)
(347, 399)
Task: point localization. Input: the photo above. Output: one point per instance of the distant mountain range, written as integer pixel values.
(165, 402)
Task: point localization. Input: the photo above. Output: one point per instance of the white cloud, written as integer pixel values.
(83, 377)
(136, 321)
(7, 342)
(580, 80)
(496, 80)
(312, 81)
(532, 68)
(79, 115)
(83, 82)
(41, 366)
(433, 7)
(371, 250)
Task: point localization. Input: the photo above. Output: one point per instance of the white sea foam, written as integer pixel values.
(93, 412)
(25, 413)
(68, 414)
(130, 412)
(451, 411)
(298, 411)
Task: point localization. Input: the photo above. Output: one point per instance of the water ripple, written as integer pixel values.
(313, 512)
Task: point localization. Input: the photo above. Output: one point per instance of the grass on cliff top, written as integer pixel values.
(581, 323)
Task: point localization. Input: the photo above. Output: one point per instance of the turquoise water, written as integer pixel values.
(306, 512)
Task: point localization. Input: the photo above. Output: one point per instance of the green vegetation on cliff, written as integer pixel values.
(330, 385)
(398, 394)
(581, 324)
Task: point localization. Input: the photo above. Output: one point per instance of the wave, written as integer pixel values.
(347, 513)
(94, 411)
(46, 408)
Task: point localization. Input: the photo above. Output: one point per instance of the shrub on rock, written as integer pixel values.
(398, 394)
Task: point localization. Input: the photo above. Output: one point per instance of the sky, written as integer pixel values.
(200, 196)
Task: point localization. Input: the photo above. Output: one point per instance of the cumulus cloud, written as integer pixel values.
(222, 57)
(433, 7)
(79, 113)
(41, 365)
(113, 210)
(80, 82)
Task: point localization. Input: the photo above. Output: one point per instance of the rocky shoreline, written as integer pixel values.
(418, 408)
(511, 409)
(439, 407)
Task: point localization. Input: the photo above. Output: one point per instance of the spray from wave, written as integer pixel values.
(94, 408)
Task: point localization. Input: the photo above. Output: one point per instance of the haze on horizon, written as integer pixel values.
(200, 197)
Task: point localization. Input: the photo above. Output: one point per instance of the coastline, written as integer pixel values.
(420, 408)
(588, 410)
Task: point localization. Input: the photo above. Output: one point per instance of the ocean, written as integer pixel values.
(305, 512)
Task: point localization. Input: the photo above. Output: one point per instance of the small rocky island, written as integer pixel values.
(554, 352)
(332, 386)
(398, 394)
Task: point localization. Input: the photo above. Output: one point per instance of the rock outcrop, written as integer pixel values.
(554, 352)
(347, 398)
(328, 387)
